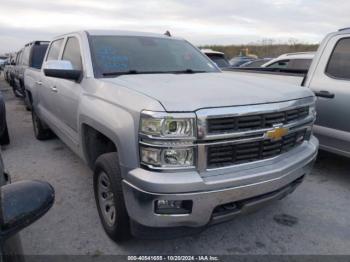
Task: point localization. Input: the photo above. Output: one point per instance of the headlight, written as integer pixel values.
(312, 110)
(167, 157)
(168, 126)
(166, 140)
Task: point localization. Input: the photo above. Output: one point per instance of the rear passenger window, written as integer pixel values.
(300, 64)
(38, 54)
(25, 57)
(54, 51)
(72, 53)
(339, 63)
(280, 64)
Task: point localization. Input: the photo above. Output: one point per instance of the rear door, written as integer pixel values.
(333, 75)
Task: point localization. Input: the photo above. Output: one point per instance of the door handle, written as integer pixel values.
(54, 89)
(39, 83)
(324, 94)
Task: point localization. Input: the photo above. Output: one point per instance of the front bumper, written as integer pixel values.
(260, 184)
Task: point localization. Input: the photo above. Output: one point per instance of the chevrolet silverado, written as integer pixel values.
(174, 143)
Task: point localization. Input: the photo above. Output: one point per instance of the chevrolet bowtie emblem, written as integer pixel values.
(277, 133)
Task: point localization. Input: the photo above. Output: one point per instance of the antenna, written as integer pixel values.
(167, 33)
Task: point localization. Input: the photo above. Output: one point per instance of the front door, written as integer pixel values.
(333, 75)
(47, 87)
(69, 92)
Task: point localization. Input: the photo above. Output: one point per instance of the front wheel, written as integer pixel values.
(5, 138)
(109, 197)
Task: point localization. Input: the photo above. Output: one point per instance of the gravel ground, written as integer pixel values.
(315, 219)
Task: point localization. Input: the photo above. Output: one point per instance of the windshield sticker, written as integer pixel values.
(110, 60)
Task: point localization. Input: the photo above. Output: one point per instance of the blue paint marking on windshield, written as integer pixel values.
(110, 60)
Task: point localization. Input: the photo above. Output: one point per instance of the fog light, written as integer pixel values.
(173, 207)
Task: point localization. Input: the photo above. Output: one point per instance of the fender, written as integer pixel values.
(114, 122)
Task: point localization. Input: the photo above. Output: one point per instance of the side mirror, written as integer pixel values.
(62, 69)
(13, 63)
(22, 203)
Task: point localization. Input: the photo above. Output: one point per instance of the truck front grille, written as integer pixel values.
(254, 122)
(232, 154)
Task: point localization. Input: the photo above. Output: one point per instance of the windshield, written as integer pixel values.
(116, 55)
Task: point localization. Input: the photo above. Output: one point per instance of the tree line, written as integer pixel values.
(264, 48)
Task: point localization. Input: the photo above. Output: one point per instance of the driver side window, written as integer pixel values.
(72, 53)
(55, 49)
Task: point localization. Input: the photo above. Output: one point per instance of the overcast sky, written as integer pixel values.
(201, 22)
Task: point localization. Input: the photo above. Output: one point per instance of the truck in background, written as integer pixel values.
(329, 77)
(291, 61)
(30, 56)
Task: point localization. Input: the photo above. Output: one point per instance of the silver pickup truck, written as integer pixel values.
(175, 144)
(329, 78)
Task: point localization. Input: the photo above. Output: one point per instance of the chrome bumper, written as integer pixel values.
(272, 181)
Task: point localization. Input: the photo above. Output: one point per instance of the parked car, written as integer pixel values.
(328, 76)
(31, 56)
(218, 58)
(240, 60)
(21, 204)
(9, 67)
(255, 63)
(175, 144)
(296, 61)
(17, 91)
(4, 135)
(2, 63)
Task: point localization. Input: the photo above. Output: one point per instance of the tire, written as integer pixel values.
(15, 91)
(109, 197)
(40, 131)
(5, 138)
(27, 101)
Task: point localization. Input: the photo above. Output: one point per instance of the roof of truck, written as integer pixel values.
(344, 29)
(122, 33)
(211, 51)
(299, 55)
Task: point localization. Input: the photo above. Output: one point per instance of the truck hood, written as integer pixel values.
(190, 92)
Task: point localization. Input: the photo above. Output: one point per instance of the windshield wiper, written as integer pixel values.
(135, 72)
(189, 71)
(130, 72)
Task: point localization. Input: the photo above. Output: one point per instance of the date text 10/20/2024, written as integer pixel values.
(173, 258)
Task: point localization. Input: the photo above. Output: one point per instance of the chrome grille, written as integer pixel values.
(254, 122)
(232, 154)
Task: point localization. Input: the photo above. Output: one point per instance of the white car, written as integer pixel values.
(294, 61)
(217, 57)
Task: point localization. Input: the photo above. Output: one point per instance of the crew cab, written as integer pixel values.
(174, 143)
(329, 78)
